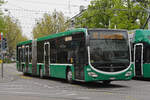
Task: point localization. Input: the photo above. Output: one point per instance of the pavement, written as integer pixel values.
(8, 74)
(16, 86)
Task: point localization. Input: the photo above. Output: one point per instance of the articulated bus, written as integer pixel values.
(141, 53)
(78, 55)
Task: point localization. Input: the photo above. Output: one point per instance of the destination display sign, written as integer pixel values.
(69, 38)
(97, 35)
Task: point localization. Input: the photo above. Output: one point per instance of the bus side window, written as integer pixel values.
(18, 54)
(24, 54)
(132, 52)
(30, 53)
(70, 56)
(146, 56)
(82, 52)
(80, 49)
(62, 51)
(40, 52)
(53, 51)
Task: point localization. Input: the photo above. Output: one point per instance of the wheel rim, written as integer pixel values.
(69, 75)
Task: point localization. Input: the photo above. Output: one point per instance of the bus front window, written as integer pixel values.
(109, 52)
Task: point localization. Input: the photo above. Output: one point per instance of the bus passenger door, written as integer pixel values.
(27, 58)
(34, 57)
(138, 59)
(79, 64)
(46, 57)
(19, 58)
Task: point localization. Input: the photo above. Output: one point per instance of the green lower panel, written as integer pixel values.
(132, 67)
(58, 71)
(30, 68)
(19, 67)
(146, 70)
(38, 69)
(101, 77)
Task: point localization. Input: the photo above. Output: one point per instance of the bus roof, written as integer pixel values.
(142, 36)
(24, 42)
(105, 29)
(69, 32)
(54, 35)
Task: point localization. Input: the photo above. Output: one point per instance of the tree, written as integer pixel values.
(13, 34)
(2, 26)
(11, 31)
(49, 24)
(120, 14)
(98, 14)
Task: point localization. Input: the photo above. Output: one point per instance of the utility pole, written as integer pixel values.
(2, 56)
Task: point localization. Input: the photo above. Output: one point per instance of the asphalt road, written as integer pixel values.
(16, 86)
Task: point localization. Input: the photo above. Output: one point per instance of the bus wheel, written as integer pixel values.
(106, 82)
(69, 76)
(41, 73)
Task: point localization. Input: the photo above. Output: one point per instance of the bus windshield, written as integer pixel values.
(109, 48)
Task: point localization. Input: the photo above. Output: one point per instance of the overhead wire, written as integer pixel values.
(25, 13)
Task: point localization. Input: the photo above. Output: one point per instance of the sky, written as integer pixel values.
(29, 11)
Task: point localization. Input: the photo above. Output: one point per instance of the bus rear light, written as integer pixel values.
(128, 73)
(92, 74)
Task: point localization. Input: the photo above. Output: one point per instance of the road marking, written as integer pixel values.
(42, 85)
(71, 94)
(131, 98)
(12, 85)
(83, 98)
(108, 93)
(143, 86)
(39, 94)
(25, 77)
(31, 93)
(19, 88)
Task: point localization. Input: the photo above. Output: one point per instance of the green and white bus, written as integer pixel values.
(78, 55)
(141, 53)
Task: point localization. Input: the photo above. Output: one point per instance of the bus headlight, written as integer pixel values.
(128, 73)
(92, 74)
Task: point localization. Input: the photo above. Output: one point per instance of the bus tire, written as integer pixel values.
(69, 76)
(106, 82)
(41, 73)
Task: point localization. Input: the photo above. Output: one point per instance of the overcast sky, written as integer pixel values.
(28, 11)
